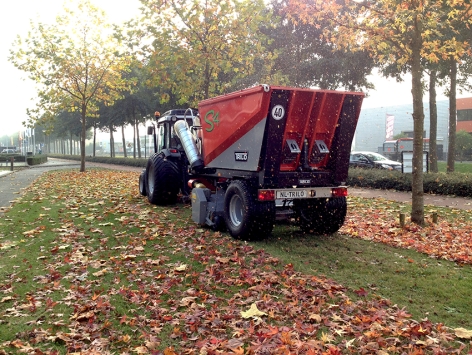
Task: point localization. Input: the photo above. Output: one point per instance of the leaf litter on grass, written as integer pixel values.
(114, 274)
(447, 239)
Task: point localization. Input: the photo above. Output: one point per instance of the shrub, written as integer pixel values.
(16, 157)
(36, 159)
(457, 184)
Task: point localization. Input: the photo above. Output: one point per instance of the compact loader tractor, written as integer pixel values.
(252, 157)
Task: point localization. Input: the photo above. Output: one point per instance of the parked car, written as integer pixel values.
(372, 160)
(8, 151)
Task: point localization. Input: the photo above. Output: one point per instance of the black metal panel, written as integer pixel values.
(341, 146)
(316, 179)
(271, 153)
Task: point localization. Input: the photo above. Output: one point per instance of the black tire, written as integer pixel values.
(246, 218)
(163, 181)
(321, 216)
(142, 184)
(218, 224)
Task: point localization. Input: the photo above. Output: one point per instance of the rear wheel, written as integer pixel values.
(163, 182)
(246, 218)
(321, 216)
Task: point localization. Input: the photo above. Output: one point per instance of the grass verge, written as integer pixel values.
(87, 265)
(459, 167)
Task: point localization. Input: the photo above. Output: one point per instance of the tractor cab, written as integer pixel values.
(164, 134)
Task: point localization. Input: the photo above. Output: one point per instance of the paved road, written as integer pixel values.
(13, 183)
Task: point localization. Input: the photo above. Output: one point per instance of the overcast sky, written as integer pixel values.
(16, 90)
(16, 93)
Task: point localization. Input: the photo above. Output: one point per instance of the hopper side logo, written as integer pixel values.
(240, 156)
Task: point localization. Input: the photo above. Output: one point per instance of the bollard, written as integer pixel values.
(402, 220)
(11, 163)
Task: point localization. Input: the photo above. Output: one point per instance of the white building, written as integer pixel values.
(371, 128)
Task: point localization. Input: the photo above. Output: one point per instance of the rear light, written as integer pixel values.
(172, 150)
(339, 192)
(266, 195)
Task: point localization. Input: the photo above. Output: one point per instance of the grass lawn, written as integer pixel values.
(464, 167)
(87, 265)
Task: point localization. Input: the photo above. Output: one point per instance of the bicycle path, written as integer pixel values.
(13, 183)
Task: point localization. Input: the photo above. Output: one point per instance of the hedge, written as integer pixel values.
(16, 157)
(36, 159)
(457, 184)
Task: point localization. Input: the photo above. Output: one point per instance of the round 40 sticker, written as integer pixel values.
(278, 112)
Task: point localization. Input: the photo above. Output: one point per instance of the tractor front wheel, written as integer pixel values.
(163, 181)
(142, 183)
(321, 216)
(246, 218)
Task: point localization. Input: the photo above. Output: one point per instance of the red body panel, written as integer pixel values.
(227, 118)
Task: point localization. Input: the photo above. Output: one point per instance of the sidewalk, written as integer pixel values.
(5, 167)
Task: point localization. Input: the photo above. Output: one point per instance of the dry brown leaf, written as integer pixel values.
(463, 333)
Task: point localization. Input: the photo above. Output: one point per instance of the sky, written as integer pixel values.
(17, 91)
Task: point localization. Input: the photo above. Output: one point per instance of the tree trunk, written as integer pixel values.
(94, 139)
(139, 140)
(124, 141)
(134, 139)
(417, 204)
(451, 150)
(206, 80)
(433, 124)
(71, 145)
(82, 139)
(112, 143)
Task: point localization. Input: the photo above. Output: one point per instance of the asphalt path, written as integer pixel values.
(12, 185)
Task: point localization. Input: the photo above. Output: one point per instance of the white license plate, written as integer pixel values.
(287, 194)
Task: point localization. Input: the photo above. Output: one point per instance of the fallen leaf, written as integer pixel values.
(252, 312)
(315, 317)
(181, 268)
(463, 333)
(100, 273)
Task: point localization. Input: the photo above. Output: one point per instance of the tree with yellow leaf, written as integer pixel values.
(201, 48)
(75, 62)
(406, 33)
